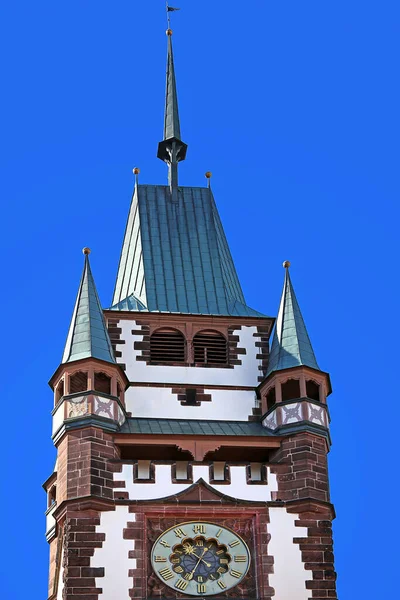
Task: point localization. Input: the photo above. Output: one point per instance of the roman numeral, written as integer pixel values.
(236, 574)
(200, 579)
(181, 584)
(165, 544)
(166, 574)
(240, 558)
(188, 576)
(221, 570)
(201, 588)
(160, 559)
(179, 533)
(199, 528)
(218, 532)
(220, 552)
(199, 542)
(222, 584)
(223, 561)
(234, 543)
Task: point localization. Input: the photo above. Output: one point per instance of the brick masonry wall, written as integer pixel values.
(84, 466)
(302, 475)
(80, 542)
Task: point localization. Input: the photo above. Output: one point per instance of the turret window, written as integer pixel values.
(59, 391)
(312, 389)
(102, 383)
(167, 345)
(291, 389)
(271, 398)
(78, 382)
(210, 347)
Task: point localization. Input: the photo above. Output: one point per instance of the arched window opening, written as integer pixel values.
(210, 347)
(291, 389)
(60, 391)
(271, 398)
(78, 382)
(167, 345)
(52, 496)
(102, 383)
(312, 389)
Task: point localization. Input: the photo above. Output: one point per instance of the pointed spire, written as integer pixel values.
(291, 346)
(88, 336)
(171, 150)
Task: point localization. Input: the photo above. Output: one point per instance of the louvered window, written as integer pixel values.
(167, 345)
(210, 347)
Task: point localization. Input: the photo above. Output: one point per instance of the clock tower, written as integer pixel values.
(191, 448)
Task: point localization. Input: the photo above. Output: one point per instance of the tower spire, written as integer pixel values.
(171, 150)
(291, 345)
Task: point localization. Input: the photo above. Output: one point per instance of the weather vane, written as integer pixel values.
(170, 9)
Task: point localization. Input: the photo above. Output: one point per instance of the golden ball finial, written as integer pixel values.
(86, 251)
(208, 174)
(286, 264)
(169, 32)
(136, 171)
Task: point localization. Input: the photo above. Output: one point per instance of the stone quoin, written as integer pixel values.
(191, 442)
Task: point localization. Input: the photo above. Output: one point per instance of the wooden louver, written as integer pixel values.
(167, 345)
(210, 347)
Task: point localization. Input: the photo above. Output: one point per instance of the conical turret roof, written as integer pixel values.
(88, 336)
(291, 345)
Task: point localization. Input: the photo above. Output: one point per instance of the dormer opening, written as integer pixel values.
(102, 383)
(291, 389)
(167, 346)
(51, 496)
(78, 382)
(210, 347)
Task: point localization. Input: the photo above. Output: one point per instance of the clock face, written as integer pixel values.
(200, 559)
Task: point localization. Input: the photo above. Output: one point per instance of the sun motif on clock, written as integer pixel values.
(200, 559)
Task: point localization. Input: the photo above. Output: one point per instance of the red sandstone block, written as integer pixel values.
(92, 572)
(79, 561)
(320, 585)
(312, 556)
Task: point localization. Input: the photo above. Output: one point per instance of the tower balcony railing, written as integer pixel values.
(296, 412)
(85, 404)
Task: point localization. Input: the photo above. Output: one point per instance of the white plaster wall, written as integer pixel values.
(161, 403)
(163, 486)
(58, 418)
(113, 556)
(289, 576)
(245, 374)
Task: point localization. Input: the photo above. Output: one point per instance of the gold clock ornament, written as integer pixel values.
(200, 559)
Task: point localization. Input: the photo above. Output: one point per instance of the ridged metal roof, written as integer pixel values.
(88, 335)
(291, 345)
(175, 256)
(193, 427)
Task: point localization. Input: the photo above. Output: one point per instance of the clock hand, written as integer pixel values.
(198, 562)
(202, 559)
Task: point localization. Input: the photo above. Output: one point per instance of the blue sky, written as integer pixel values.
(294, 108)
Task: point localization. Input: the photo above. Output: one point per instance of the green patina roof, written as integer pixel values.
(193, 427)
(291, 346)
(175, 256)
(88, 335)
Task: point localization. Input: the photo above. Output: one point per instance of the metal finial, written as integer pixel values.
(208, 175)
(169, 32)
(286, 264)
(136, 171)
(86, 251)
